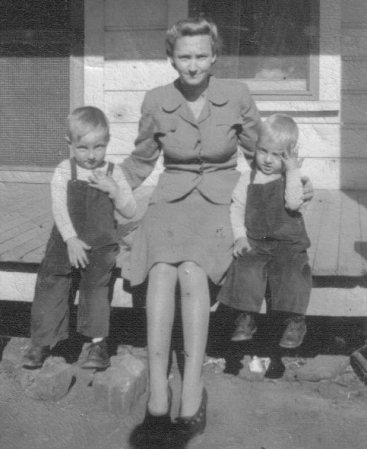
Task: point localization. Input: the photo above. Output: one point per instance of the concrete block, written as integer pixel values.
(119, 388)
(14, 351)
(49, 383)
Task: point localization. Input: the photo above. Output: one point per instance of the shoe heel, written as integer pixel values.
(191, 428)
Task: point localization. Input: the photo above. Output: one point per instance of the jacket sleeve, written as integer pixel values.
(251, 123)
(138, 166)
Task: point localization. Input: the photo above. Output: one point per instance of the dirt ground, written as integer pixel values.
(242, 414)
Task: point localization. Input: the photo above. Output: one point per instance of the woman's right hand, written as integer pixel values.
(77, 252)
(307, 189)
(241, 245)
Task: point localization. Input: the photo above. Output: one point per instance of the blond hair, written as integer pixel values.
(84, 120)
(283, 129)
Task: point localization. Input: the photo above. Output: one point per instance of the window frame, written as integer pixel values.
(311, 93)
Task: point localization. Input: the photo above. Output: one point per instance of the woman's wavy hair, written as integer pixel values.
(195, 26)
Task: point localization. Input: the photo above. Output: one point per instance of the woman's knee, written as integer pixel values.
(189, 269)
(192, 279)
(163, 269)
(162, 274)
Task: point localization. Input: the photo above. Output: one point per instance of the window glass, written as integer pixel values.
(268, 43)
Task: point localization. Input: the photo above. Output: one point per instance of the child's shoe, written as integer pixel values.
(98, 357)
(359, 357)
(35, 356)
(294, 333)
(246, 327)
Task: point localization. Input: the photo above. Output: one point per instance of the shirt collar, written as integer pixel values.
(216, 94)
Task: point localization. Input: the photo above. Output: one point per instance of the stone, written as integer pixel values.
(322, 367)
(49, 383)
(14, 351)
(119, 388)
(247, 374)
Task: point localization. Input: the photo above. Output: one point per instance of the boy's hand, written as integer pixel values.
(77, 252)
(241, 245)
(291, 161)
(104, 182)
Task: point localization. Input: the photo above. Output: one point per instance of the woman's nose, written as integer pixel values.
(193, 66)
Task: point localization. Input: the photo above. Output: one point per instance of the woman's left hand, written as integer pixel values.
(307, 189)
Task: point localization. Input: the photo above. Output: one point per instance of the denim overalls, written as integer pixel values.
(92, 214)
(278, 255)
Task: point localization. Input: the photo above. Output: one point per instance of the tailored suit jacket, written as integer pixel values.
(198, 153)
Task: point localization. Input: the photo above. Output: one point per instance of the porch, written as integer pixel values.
(336, 222)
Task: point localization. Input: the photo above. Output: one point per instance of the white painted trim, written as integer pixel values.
(94, 53)
(329, 301)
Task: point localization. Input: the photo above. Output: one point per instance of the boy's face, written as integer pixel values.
(269, 156)
(90, 150)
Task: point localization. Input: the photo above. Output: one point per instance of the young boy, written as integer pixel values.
(85, 191)
(270, 236)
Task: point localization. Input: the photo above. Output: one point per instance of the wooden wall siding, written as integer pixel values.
(354, 70)
(354, 107)
(354, 37)
(123, 106)
(354, 91)
(135, 45)
(123, 136)
(120, 76)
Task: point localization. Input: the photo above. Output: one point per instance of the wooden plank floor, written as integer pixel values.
(336, 222)
(25, 221)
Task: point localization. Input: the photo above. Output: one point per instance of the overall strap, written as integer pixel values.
(110, 168)
(73, 169)
(252, 176)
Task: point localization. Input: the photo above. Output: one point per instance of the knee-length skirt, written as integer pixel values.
(189, 229)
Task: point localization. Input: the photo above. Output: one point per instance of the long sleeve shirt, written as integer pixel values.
(293, 196)
(124, 201)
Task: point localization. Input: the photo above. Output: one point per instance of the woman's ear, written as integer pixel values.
(172, 62)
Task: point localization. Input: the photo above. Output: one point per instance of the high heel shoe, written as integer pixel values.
(188, 428)
(152, 432)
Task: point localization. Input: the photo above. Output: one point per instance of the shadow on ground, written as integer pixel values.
(326, 335)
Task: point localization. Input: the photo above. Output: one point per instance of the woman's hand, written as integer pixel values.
(241, 245)
(77, 252)
(104, 182)
(307, 189)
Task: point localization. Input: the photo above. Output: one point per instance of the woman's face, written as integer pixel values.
(193, 59)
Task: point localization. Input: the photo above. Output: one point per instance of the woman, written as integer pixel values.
(185, 237)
